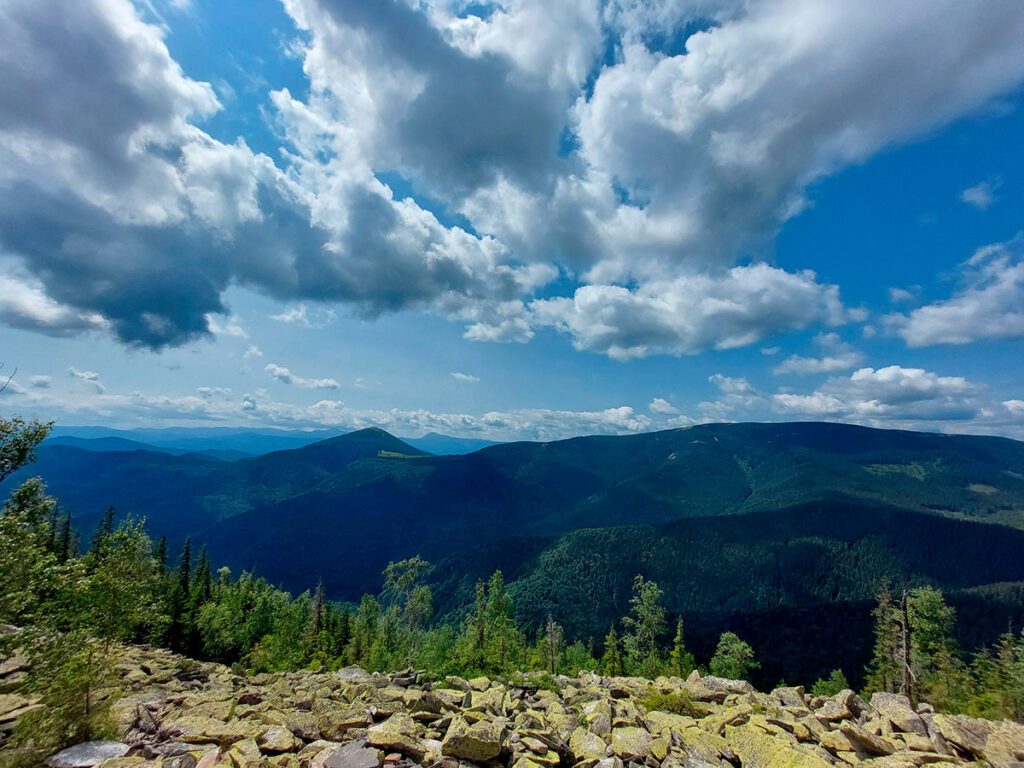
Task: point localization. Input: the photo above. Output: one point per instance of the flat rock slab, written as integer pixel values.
(88, 754)
(355, 754)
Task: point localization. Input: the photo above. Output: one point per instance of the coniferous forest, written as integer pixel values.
(70, 602)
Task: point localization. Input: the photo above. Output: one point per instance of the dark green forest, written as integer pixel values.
(72, 600)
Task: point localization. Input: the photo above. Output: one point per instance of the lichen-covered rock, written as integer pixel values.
(277, 738)
(895, 708)
(180, 713)
(630, 741)
(754, 747)
(478, 742)
(586, 745)
(1000, 744)
(399, 733)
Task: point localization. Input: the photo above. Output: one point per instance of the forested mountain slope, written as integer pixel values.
(341, 508)
(753, 526)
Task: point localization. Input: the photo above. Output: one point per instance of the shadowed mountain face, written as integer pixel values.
(731, 519)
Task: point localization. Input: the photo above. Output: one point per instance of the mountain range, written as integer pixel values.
(750, 526)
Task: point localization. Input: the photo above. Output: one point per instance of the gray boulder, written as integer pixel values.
(87, 754)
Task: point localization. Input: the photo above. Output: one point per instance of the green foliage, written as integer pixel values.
(681, 662)
(18, 441)
(74, 608)
(733, 658)
(72, 675)
(884, 671)
(835, 683)
(644, 627)
(611, 661)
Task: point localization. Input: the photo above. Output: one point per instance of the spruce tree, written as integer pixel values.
(498, 621)
(161, 555)
(104, 530)
(611, 661)
(65, 542)
(316, 618)
(883, 672)
(681, 660)
(185, 569)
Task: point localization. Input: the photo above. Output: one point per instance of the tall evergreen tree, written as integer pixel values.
(104, 530)
(65, 541)
(316, 618)
(161, 555)
(884, 671)
(682, 662)
(499, 624)
(611, 661)
(185, 569)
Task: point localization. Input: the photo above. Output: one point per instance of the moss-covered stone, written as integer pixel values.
(478, 742)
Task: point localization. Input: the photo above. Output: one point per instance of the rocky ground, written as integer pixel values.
(177, 713)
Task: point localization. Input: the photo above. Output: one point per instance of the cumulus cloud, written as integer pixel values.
(40, 382)
(465, 378)
(561, 136)
(893, 392)
(252, 352)
(981, 195)
(989, 305)
(285, 376)
(837, 355)
(662, 407)
(691, 314)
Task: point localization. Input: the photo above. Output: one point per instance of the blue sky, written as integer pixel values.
(517, 220)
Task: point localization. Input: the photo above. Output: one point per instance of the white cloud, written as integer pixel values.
(301, 315)
(887, 394)
(252, 352)
(465, 378)
(40, 382)
(25, 304)
(837, 355)
(285, 376)
(989, 305)
(662, 407)
(89, 377)
(903, 296)
(692, 314)
(737, 398)
(679, 162)
(232, 327)
(218, 406)
(981, 195)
